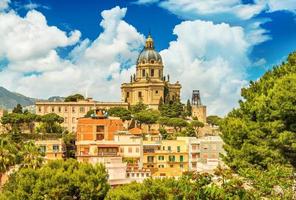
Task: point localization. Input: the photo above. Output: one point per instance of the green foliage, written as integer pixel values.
(90, 113)
(138, 108)
(18, 109)
(147, 117)
(69, 140)
(58, 180)
(261, 132)
(172, 109)
(190, 187)
(123, 113)
(214, 120)
(74, 98)
(50, 123)
(188, 108)
(177, 123)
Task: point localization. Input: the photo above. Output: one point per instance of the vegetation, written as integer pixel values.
(190, 187)
(172, 109)
(123, 113)
(69, 140)
(58, 180)
(90, 113)
(148, 117)
(260, 136)
(138, 108)
(74, 98)
(50, 123)
(214, 120)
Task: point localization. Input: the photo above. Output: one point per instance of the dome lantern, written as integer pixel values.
(149, 42)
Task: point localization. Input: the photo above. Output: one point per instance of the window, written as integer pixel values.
(150, 159)
(181, 166)
(152, 72)
(172, 158)
(127, 94)
(160, 166)
(171, 166)
(194, 147)
(73, 109)
(121, 150)
(66, 109)
(39, 108)
(162, 174)
(181, 158)
(55, 147)
(169, 148)
(163, 148)
(99, 136)
(82, 109)
(143, 73)
(130, 150)
(66, 120)
(52, 109)
(60, 109)
(194, 165)
(73, 120)
(178, 148)
(42, 148)
(156, 91)
(140, 94)
(160, 157)
(100, 129)
(137, 150)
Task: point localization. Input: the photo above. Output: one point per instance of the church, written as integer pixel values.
(149, 85)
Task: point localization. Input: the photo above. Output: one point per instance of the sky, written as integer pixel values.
(60, 47)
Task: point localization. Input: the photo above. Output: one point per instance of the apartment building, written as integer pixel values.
(72, 111)
(51, 148)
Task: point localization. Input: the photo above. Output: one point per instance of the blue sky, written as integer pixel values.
(227, 44)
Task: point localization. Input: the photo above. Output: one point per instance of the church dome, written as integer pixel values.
(148, 54)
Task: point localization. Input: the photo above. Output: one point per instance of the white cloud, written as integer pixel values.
(4, 4)
(98, 67)
(201, 58)
(30, 37)
(279, 5)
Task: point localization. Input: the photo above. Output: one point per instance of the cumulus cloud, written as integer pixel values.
(4, 4)
(98, 67)
(201, 59)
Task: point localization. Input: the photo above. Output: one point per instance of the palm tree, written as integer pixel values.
(31, 156)
(7, 156)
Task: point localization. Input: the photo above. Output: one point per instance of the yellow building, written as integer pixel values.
(71, 111)
(149, 84)
(52, 149)
(165, 158)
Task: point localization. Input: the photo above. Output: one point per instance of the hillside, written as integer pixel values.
(9, 100)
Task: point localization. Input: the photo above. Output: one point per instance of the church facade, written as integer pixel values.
(149, 85)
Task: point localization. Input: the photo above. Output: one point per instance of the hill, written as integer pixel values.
(9, 100)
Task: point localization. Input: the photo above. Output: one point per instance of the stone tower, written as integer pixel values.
(198, 110)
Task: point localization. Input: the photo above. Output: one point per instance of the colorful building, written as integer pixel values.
(72, 111)
(51, 148)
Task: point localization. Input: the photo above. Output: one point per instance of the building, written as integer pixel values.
(71, 111)
(198, 109)
(149, 84)
(204, 153)
(51, 148)
(165, 158)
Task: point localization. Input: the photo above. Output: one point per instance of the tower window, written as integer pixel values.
(156, 91)
(143, 73)
(140, 94)
(152, 72)
(127, 94)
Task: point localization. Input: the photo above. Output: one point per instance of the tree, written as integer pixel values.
(74, 98)
(90, 113)
(197, 125)
(7, 155)
(172, 109)
(177, 123)
(59, 180)
(123, 113)
(214, 120)
(31, 156)
(261, 132)
(147, 117)
(69, 140)
(51, 123)
(138, 108)
(188, 108)
(18, 109)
